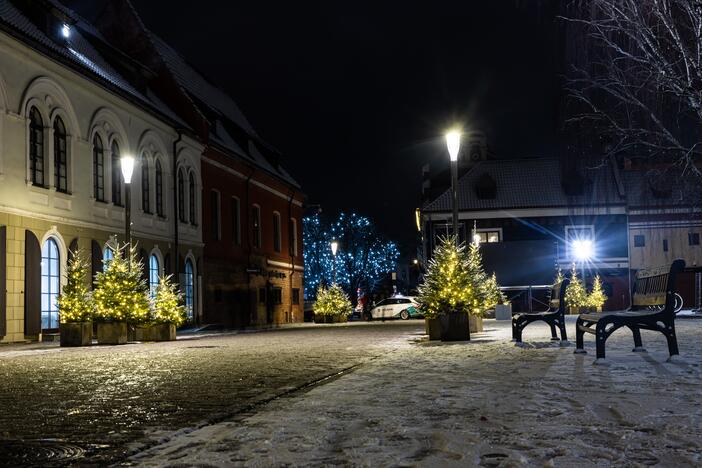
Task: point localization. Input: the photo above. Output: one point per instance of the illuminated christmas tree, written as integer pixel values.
(493, 294)
(575, 294)
(559, 277)
(332, 300)
(121, 293)
(75, 303)
(478, 280)
(167, 303)
(448, 285)
(597, 297)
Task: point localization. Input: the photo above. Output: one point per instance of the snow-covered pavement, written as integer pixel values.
(486, 403)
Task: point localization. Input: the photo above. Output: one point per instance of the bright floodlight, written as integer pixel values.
(127, 163)
(66, 31)
(334, 246)
(476, 239)
(453, 142)
(582, 249)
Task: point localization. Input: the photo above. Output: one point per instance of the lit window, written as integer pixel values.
(98, 169)
(489, 236)
(60, 159)
(189, 289)
(107, 255)
(36, 147)
(154, 272)
(49, 285)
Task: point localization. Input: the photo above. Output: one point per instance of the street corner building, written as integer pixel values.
(528, 214)
(210, 202)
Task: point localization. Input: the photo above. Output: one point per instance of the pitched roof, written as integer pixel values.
(528, 183)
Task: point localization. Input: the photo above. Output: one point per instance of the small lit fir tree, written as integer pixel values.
(332, 300)
(478, 280)
(167, 305)
(559, 277)
(75, 303)
(597, 297)
(575, 294)
(448, 286)
(493, 294)
(121, 293)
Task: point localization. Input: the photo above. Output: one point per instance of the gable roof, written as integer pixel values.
(528, 183)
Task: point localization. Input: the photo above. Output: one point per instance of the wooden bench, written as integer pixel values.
(652, 308)
(554, 316)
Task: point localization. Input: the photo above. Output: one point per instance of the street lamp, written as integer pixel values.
(453, 143)
(127, 165)
(583, 250)
(334, 247)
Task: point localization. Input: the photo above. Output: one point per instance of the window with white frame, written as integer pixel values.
(154, 273)
(36, 147)
(489, 235)
(256, 225)
(60, 156)
(277, 235)
(293, 237)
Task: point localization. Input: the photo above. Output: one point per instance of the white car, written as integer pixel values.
(396, 307)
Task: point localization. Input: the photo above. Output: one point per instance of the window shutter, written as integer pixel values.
(3, 281)
(32, 284)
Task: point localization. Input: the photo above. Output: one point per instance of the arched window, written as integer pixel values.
(145, 189)
(98, 169)
(159, 188)
(50, 275)
(191, 194)
(116, 175)
(189, 289)
(181, 196)
(277, 236)
(36, 147)
(293, 237)
(107, 255)
(60, 159)
(154, 272)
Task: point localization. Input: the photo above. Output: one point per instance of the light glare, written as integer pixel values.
(453, 142)
(66, 31)
(127, 164)
(582, 249)
(334, 246)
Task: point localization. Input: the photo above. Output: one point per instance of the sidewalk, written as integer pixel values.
(486, 402)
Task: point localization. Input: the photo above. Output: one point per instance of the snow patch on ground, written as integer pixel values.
(479, 403)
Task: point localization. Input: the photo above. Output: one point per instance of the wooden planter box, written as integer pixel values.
(331, 318)
(156, 332)
(432, 327)
(454, 326)
(76, 333)
(112, 333)
(476, 324)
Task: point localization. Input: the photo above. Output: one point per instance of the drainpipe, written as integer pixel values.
(292, 251)
(175, 206)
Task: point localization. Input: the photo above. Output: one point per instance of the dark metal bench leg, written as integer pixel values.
(561, 325)
(600, 338)
(554, 335)
(516, 329)
(579, 347)
(638, 344)
(669, 333)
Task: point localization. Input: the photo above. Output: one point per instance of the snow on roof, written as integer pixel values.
(528, 183)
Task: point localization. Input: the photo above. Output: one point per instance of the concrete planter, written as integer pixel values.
(112, 333)
(156, 332)
(76, 333)
(503, 312)
(432, 326)
(454, 326)
(476, 324)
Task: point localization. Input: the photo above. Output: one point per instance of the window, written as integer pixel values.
(293, 237)
(154, 272)
(489, 236)
(189, 283)
(159, 189)
(181, 196)
(236, 221)
(261, 295)
(49, 285)
(665, 245)
(116, 175)
(191, 194)
(295, 296)
(145, 189)
(98, 169)
(277, 295)
(107, 255)
(215, 215)
(60, 159)
(256, 224)
(693, 238)
(276, 232)
(639, 240)
(36, 147)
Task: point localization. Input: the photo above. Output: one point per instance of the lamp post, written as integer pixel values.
(334, 247)
(127, 165)
(453, 143)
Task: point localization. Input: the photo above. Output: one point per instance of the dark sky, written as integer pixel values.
(357, 95)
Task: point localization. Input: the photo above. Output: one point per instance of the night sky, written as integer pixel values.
(357, 95)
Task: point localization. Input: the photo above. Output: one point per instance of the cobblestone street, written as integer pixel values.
(92, 403)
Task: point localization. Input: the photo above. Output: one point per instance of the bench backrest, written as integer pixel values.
(656, 287)
(557, 301)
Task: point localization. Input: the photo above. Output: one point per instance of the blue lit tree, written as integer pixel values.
(364, 257)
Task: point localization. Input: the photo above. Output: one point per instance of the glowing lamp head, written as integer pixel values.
(127, 165)
(415, 261)
(334, 247)
(66, 31)
(476, 239)
(453, 142)
(582, 249)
